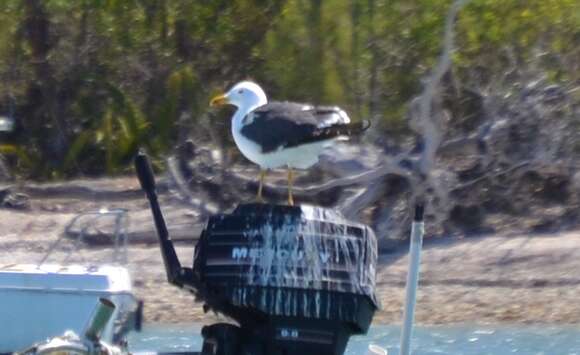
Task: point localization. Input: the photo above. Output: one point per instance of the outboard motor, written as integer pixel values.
(296, 279)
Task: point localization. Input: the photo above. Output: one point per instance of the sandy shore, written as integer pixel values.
(493, 279)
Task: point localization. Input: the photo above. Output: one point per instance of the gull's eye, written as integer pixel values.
(241, 91)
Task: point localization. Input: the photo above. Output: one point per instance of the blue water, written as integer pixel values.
(472, 340)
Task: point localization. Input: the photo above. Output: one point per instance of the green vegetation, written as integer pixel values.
(90, 81)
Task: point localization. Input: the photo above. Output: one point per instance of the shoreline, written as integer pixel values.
(487, 280)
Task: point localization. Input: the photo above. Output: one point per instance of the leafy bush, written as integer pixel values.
(90, 81)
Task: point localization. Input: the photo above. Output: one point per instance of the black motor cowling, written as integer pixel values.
(298, 279)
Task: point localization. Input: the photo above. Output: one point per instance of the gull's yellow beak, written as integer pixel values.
(219, 100)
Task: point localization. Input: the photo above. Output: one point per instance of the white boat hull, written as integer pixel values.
(37, 303)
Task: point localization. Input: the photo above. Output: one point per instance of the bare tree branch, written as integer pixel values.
(431, 130)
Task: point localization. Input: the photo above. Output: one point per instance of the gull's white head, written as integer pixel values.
(244, 95)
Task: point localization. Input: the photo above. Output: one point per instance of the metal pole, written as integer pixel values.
(417, 231)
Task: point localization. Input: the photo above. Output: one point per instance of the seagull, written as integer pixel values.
(283, 134)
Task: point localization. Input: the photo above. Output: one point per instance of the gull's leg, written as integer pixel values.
(290, 184)
(262, 176)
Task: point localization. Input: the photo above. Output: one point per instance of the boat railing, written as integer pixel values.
(86, 223)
